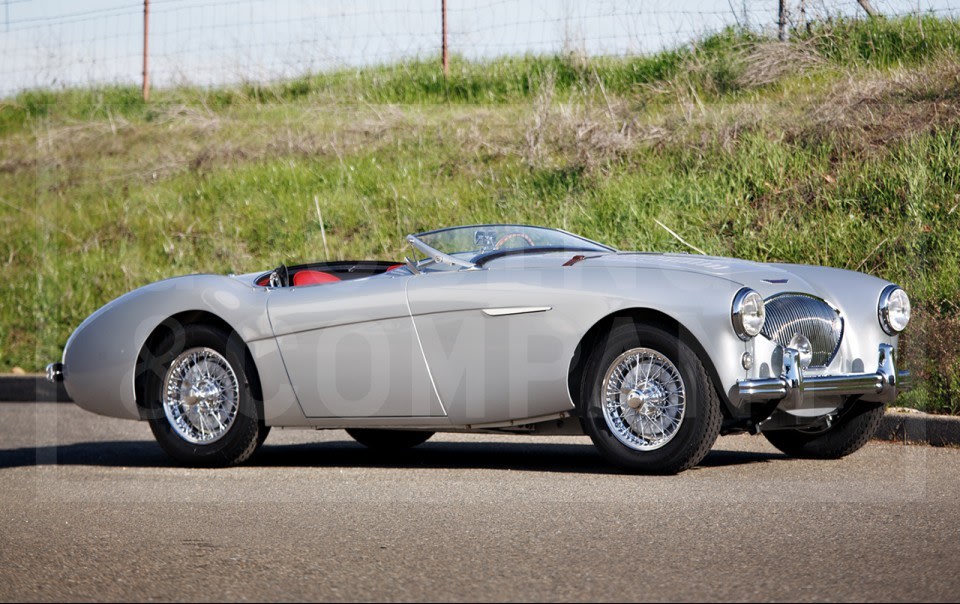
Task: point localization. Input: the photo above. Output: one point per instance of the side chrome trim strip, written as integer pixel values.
(514, 310)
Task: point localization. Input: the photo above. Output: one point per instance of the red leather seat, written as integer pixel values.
(309, 277)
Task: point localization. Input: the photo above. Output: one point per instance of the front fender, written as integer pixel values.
(700, 303)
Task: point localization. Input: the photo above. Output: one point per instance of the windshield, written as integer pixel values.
(473, 241)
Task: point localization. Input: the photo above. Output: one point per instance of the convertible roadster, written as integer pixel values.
(501, 328)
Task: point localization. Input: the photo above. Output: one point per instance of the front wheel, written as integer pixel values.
(203, 409)
(855, 426)
(648, 403)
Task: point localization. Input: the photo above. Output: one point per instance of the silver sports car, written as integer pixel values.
(502, 328)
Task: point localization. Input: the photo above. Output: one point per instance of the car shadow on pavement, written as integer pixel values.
(101, 453)
(535, 457)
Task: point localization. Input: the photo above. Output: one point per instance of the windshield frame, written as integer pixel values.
(436, 256)
(480, 257)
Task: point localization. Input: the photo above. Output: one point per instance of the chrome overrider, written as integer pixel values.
(792, 385)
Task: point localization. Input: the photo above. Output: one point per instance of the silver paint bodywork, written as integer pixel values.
(461, 348)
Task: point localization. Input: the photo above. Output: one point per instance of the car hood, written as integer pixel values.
(767, 278)
(716, 266)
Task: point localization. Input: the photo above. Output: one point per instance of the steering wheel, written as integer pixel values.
(510, 237)
(280, 277)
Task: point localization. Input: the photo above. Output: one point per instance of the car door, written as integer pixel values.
(351, 350)
(498, 342)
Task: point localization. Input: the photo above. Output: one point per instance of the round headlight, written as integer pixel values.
(894, 310)
(747, 314)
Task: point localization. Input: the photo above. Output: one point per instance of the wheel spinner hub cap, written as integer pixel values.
(647, 400)
(206, 390)
(644, 399)
(201, 395)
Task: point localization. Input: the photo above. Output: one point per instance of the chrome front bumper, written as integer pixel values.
(792, 385)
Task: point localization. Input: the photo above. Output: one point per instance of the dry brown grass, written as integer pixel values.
(930, 349)
(869, 114)
(768, 62)
(181, 138)
(586, 132)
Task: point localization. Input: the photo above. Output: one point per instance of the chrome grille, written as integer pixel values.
(790, 314)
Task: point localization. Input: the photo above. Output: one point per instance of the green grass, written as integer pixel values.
(841, 149)
(885, 42)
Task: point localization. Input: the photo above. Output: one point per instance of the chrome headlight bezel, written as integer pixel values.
(747, 314)
(893, 309)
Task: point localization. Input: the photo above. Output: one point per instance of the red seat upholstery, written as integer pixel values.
(308, 277)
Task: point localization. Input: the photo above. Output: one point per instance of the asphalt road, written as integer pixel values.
(92, 510)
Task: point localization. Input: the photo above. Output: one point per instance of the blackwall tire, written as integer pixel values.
(202, 408)
(648, 404)
(849, 432)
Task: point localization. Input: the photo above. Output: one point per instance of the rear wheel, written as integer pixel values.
(203, 411)
(849, 432)
(389, 440)
(648, 404)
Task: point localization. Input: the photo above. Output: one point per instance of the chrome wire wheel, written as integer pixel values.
(644, 399)
(201, 395)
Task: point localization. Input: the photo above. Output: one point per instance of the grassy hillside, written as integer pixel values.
(840, 148)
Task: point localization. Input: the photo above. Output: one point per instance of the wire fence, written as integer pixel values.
(52, 44)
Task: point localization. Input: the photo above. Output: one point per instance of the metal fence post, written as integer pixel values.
(146, 47)
(446, 58)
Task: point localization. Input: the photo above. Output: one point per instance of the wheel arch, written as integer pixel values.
(146, 367)
(647, 316)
